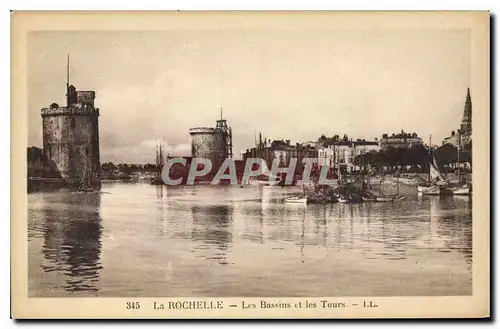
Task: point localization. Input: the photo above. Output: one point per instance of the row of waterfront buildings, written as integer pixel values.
(335, 152)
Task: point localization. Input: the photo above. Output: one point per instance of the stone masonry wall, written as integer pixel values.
(208, 145)
(72, 143)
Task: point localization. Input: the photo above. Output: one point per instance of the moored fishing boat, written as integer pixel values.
(384, 199)
(439, 185)
(258, 182)
(296, 199)
(459, 189)
(378, 199)
(431, 189)
(266, 179)
(343, 200)
(411, 181)
(160, 160)
(436, 183)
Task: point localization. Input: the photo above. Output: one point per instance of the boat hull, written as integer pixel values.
(459, 190)
(383, 199)
(429, 190)
(258, 183)
(377, 199)
(296, 200)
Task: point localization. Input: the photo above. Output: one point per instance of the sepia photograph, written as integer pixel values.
(303, 164)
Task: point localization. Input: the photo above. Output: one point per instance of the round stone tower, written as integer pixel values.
(208, 143)
(71, 139)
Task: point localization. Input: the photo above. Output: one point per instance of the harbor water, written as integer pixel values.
(135, 239)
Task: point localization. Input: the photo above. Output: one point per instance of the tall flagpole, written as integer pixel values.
(67, 82)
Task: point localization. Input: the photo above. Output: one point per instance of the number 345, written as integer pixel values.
(133, 306)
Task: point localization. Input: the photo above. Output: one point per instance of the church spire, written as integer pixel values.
(466, 125)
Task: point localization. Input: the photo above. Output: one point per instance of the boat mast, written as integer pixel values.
(397, 177)
(368, 174)
(338, 166)
(335, 160)
(430, 143)
(157, 155)
(162, 151)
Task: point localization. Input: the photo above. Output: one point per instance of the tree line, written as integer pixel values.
(128, 168)
(416, 158)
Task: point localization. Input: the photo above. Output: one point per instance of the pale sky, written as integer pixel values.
(287, 84)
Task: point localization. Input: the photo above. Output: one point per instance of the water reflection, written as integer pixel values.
(162, 209)
(212, 230)
(72, 240)
(253, 229)
(392, 231)
(450, 215)
(245, 239)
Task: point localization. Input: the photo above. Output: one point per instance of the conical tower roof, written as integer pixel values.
(466, 125)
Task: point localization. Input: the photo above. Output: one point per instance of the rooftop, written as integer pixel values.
(400, 135)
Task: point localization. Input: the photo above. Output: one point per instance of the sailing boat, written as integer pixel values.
(156, 180)
(436, 183)
(436, 179)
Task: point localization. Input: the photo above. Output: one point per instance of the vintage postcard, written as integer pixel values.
(250, 165)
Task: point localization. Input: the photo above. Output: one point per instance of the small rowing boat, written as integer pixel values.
(296, 199)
